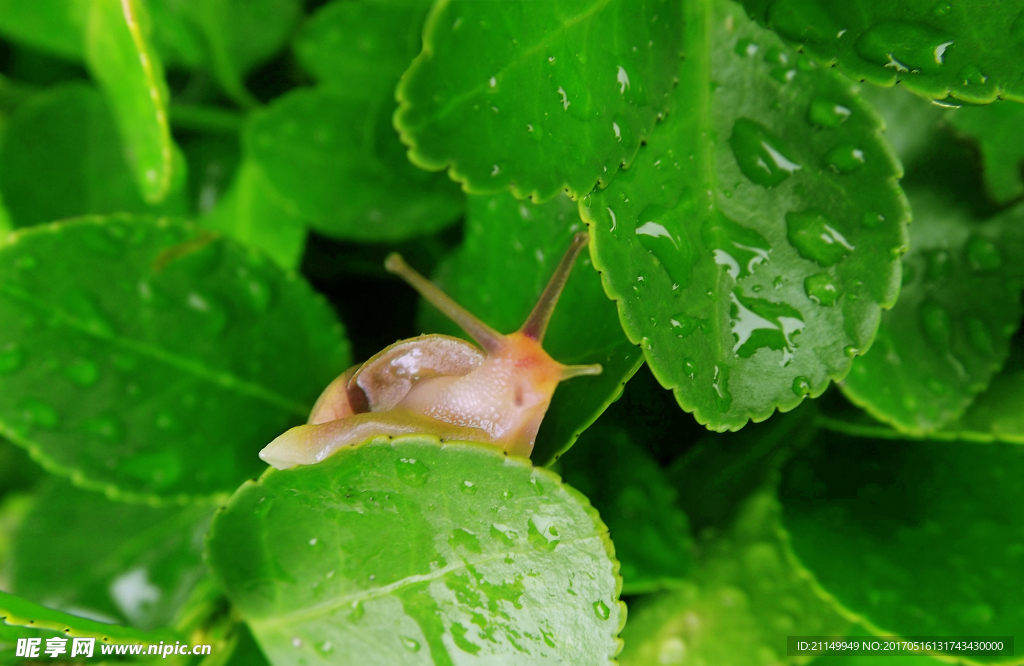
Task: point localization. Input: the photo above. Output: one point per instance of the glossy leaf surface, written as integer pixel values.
(949, 333)
(886, 526)
(152, 359)
(745, 594)
(131, 563)
(935, 49)
(92, 174)
(752, 244)
(538, 97)
(651, 535)
(997, 130)
(248, 213)
(509, 254)
(122, 59)
(497, 560)
(334, 159)
(18, 612)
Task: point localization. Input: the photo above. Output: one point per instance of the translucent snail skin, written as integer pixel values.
(436, 384)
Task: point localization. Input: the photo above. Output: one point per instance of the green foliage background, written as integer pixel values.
(803, 282)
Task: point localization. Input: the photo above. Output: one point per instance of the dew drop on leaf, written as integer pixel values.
(411, 471)
(683, 325)
(468, 487)
(106, 427)
(937, 327)
(904, 46)
(737, 248)
(720, 385)
(939, 265)
(410, 644)
(601, 610)
(821, 289)
(816, 237)
(761, 156)
(845, 158)
(38, 413)
(674, 253)
(801, 386)
(871, 219)
(983, 255)
(979, 336)
(827, 113)
(83, 372)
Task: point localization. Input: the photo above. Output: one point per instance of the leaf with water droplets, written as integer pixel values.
(884, 526)
(949, 333)
(538, 97)
(122, 59)
(651, 534)
(152, 359)
(744, 595)
(740, 237)
(92, 175)
(377, 551)
(997, 128)
(935, 48)
(511, 249)
(131, 564)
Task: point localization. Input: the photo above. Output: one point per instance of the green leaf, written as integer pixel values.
(121, 57)
(935, 49)
(949, 333)
(132, 563)
(996, 414)
(509, 254)
(651, 535)
(17, 612)
(9, 642)
(151, 359)
(746, 596)
(912, 538)
(538, 97)
(249, 214)
(409, 552)
(997, 129)
(54, 26)
(333, 159)
(753, 243)
(73, 122)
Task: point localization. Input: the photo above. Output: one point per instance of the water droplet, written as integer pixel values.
(357, 612)
(816, 237)
(871, 219)
(736, 247)
(821, 289)
(971, 75)
(845, 158)
(468, 487)
(937, 326)
(979, 336)
(601, 610)
(827, 113)
(983, 254)
(82, 307)
(325, 648)
(504, 533)
(83, 372)
(411, 471)
(38, 413)
(465, 539)
(103, 241)
(942, 8)
(549, 638)
(801, 386)
(905, 46)
(689, 368)
(622, 78)
(684, 325)
(720, 385)
(106, 427)
(542, 534)
(851, 351)
(296, 642)
(258, 293)
(761, 156)
(11, 358)
(802, 22)
(673, 251)
(410, 644)
(939, 264)
(214, 316)
(746, 47)
(758, 323)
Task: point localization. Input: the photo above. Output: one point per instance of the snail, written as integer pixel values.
(441, 385)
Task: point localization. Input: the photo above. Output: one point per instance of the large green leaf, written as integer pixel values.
(509, 254)
(406, 551)
(131, 563)
(249, 214)
(949, 333)
(122, 59)
(150, 358)
(912, 538)
(333, 158)
(538, 97)
(651, 534)
(935, 49)
(742, 602)
(74, 123)
(752, 244)
(999, 131)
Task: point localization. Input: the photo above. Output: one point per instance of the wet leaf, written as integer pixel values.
(629, 489)
(496, 560)
(131, 563)
(122, 59)
(9, 642)
(997, 128)
(334, 159)
(509, 254)
(751, 246)
(151, 359)
(933, 48)
(949, 333)
(538, 97)
(249, 214)
(744, 596)
(885, 527)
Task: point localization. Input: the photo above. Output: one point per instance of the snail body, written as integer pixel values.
(440, 385)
